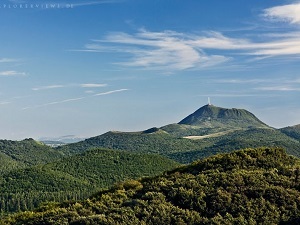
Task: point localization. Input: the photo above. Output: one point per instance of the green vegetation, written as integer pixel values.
(210, 116)
(293, 131)
(157, 142)
(251, 138)
(185, 150)
(17, 154)
(75, 177)
(32, 172)
(253, 186)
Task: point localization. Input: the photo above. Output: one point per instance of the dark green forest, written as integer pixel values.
(251, 186)
(75, 177)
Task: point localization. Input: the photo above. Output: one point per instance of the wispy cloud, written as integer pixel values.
(10, 73)
(93, 85)
(111, 92)
(8, 60)
(286, 13)
(167, 50)
(4, 103)
(173, 51)
(242, 81)
(279, 88)
(73, 99)
(47, 87)
(55, 86)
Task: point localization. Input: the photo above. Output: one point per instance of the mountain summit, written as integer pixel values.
(213, 116)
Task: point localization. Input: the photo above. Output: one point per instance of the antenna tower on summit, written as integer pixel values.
(208, 101)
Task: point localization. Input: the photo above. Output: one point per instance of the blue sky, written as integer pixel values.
(87, 67)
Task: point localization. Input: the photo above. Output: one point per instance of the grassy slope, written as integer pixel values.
(253, 186)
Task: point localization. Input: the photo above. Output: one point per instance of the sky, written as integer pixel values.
(80, 67)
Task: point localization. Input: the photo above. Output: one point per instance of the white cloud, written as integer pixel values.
(287, 13)
(47, 87)
(167, 50)
(12, 73)
(4, 103)
(172, 51)
(242, 81)
(279, 88)
(8, 60)
(73, 99)
(111, 92)
(90, 85)
(93, 85)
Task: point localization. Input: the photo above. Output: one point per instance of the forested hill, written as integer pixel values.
(252, 186)
(75, 177)
(292, 131)
(17, 154)
(185, 150)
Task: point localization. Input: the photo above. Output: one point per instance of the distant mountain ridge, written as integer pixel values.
(209, 130)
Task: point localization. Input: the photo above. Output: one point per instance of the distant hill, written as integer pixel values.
(211, 119)
(75, 177)
(253, 186)
(293, 131)
(213, 116)
(209, 130)
(239, 139)
(66, 139)
(158, 142)
(16, 154)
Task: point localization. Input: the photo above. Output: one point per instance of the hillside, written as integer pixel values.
(293, 131)
(144, 142)
(75, 177)
(253, 186)
(18, 154)
(186, 150)
(240, 139)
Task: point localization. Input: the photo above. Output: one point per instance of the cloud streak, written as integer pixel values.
(55, 86)
(284, 88)
(11, 73)
(73, 99)
(93, 85)
(47, 87)
(8, 60)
